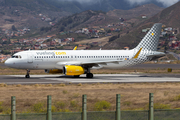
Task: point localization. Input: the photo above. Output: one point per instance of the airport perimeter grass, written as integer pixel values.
(100, 97)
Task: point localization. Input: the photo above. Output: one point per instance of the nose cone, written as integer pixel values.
(8, 63)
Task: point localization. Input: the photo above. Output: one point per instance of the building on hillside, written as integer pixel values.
(143, 16)
(126, 48)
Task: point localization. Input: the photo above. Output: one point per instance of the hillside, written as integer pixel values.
(28, 13)
(103, 5)
(98, 18)
(170, 17)
(67, 31)
(149, 10)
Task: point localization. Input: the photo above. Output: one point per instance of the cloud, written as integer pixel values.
(132, 2)
(166, 3)
(82, 1)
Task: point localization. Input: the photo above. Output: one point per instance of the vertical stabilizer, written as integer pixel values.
(151, 40)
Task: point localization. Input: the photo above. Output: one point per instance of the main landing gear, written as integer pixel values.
(89, 74)
(27, 74)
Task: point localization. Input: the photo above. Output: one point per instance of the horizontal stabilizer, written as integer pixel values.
(156, 54)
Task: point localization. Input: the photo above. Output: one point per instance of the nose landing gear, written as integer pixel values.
(27, 74)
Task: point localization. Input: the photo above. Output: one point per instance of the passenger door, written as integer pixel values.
(30, 57)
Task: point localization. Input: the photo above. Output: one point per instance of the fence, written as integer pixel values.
(150, 114)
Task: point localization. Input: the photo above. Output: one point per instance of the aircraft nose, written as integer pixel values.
(8, 63)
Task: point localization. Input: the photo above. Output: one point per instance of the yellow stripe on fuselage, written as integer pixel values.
(137, 54)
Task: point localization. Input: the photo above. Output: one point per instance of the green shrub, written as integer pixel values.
(74, 104)
(80, 84)
(62, 85)
(76, 95)
(3, 85)
(64, 110)
(161, 106)
(127, 103)
(39, 107)
(53, 108)
(176, 98)
(6, 111)
(1, 107)
(102, 105)
(65, 91)
(60, 105)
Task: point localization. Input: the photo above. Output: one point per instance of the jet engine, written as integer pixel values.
(73, 70)
(53, 71)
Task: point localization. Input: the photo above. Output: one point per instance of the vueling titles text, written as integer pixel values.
(51, 53)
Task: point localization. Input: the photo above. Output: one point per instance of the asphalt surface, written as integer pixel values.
(98, 78)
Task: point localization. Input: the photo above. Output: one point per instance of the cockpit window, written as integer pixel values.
(16, 56)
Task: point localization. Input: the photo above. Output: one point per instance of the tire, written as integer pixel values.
(76, 76)
(89, 75)
(27, 76)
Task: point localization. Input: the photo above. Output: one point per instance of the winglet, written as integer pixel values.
(75, 48)
(137, 54)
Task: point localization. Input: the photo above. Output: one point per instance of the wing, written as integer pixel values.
(88, 63)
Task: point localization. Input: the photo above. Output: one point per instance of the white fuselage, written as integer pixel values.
(56, 59)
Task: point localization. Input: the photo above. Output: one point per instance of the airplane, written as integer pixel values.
(77, 62)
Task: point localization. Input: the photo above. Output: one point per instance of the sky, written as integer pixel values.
(165, 3)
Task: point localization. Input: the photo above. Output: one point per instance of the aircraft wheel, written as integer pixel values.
(89, 75)
(27, 76)
(76, 76)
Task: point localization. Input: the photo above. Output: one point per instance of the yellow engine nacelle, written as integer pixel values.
(73, 70)
(54, 71)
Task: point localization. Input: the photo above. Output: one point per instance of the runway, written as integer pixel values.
(98, 78)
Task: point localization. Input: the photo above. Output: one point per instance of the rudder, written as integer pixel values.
(150, 41)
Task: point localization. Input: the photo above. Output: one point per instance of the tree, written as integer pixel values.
(61, 28)
(14, 28)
